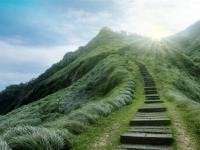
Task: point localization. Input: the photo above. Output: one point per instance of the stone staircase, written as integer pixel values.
(150, 129)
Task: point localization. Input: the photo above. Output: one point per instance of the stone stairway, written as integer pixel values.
(149, 130)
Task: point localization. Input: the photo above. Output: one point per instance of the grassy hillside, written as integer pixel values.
(91, 86)
(92, 83)
(71, 68)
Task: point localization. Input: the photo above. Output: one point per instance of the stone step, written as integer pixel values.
(149, 84)
(151, 92)
(151, 117)
(151, 114)
(145, 147)
(149, 130)
(152, 98)
(146, 138)
(151, 127)
(149, 81)
(158, 109)
(148, 78)
(150, 122)
(150, 88)
(152, 107)
(145, 73)
(152, 95)
(152, 101)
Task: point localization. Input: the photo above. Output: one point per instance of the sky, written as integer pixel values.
(34, 34)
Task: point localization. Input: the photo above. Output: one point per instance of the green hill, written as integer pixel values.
(93, 82)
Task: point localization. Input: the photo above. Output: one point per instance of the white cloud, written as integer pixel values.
(137, 16)
(142, 16)
(15, 77)
(38, 55)
(82, 16)
(43, 57)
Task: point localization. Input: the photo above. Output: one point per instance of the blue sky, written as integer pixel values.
(34, 34)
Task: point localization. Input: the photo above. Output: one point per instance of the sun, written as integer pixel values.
(157, 33)
(156, 36)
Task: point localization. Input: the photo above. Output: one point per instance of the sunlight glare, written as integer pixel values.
(157, 33)
(157, 36)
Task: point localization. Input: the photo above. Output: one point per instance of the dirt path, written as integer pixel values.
(183, 139)
(103, 140)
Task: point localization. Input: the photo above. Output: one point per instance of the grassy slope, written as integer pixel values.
(170, 78)
(63, 74)
(102, 84)
(105, 134)
(185, 136)
(99, 89)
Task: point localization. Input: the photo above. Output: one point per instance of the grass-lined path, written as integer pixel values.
(150, 129)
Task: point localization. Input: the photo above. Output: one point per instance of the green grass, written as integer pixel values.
(4, 144)
(86, 94)
(103, 82)
(29, 138)
(112, 126)
(189, 112)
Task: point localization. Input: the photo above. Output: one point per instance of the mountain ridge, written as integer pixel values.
(92, 83)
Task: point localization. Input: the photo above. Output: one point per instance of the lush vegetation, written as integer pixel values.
(92, 86)
(92, 83)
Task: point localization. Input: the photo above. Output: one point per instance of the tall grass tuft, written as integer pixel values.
(36, 138)
(3, 145)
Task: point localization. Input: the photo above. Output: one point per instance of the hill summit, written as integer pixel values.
(91, 83)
